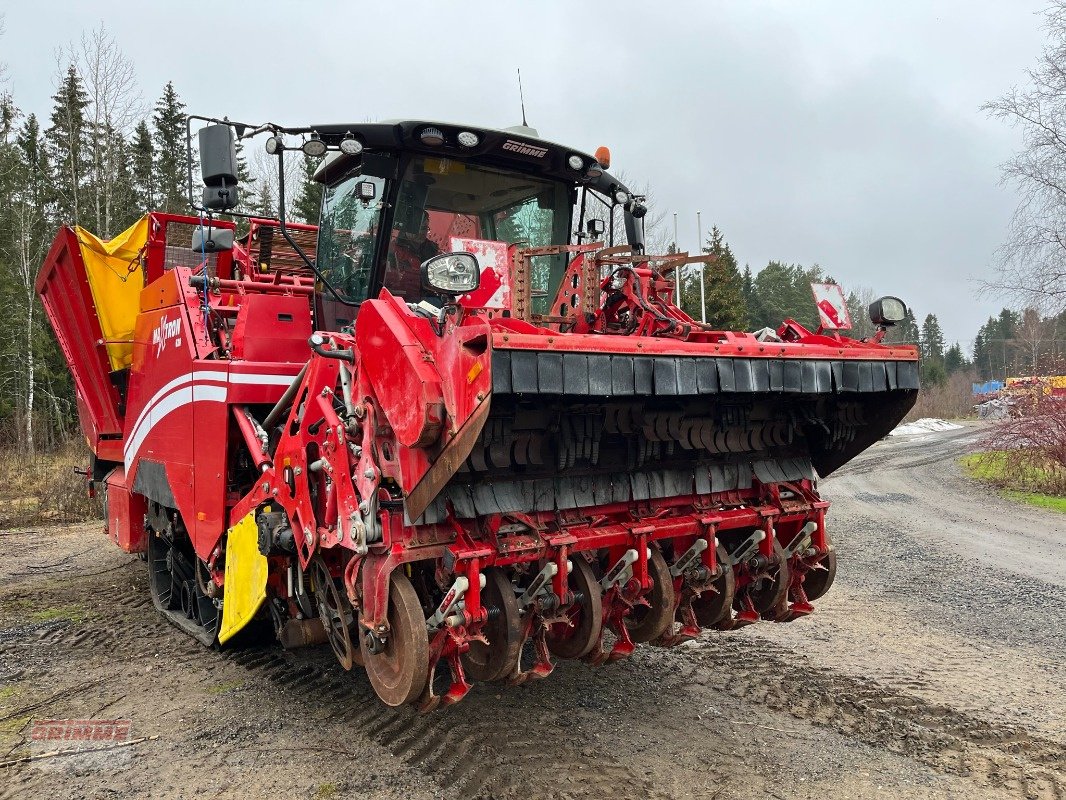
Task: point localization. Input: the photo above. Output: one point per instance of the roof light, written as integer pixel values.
(594, 170)
(350, 145)
(621, 197)
(575, 162)
(314, 147)
(432, 137)
(468, 139)
(273, 144)
(603, 157)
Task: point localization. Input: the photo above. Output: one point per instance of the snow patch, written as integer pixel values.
(924, 425)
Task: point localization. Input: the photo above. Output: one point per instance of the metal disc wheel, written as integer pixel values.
(648, 622)
(714, 603)
(821, 576)
(578, 638)
(398, 672)
(334, 611)
(770, 586)
(489, 662)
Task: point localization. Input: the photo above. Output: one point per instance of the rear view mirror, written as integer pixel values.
(218, 167)
(888, 311)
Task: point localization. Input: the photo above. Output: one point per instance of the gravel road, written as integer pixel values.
(934, 669)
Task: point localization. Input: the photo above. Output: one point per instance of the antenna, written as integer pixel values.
(521, 97)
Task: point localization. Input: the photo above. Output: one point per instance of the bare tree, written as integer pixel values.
(115, 106)
(264, 169)
(1032, 268)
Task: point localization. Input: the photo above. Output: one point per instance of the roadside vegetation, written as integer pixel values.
(43, 489)
(1025, 454)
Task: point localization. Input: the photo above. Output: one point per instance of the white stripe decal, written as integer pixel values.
(177, 393)
(261, 379)
(178, 381)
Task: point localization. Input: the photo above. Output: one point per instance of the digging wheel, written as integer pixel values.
(820, 576)
(650, 620)
(577, 636)
(334, 611)
(489, 662)
(768, 588)
(714, 603)
(399, 666)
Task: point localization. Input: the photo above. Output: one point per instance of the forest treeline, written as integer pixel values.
(103, 157)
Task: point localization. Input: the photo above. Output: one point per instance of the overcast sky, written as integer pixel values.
(844, 134)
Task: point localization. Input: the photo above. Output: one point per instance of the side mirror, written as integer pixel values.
(218, 167)
(595, 227)
(451, 274)
(887, 311)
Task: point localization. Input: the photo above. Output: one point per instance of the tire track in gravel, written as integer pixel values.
(469, 754)
(944, 739)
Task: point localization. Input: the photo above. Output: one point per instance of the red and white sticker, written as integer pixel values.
(495, 288)
(832, 306)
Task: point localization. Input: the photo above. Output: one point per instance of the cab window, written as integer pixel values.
(347, 236)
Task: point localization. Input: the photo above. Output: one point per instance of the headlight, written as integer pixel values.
(451, 274)
(432, 137)
(314, 147)
(888, 311)
(351, 146)
(468, 139)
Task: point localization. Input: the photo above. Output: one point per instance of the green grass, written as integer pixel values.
(992, 468)
(72, 613)
(222, 688)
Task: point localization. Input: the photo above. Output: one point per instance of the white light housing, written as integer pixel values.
(575, 162)
(468, 139)
(433, 137)
(315, 148)
(273, 144)
(621, 197)
(451, 274)
(351, 146)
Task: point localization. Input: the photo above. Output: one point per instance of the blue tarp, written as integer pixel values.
(987, 387)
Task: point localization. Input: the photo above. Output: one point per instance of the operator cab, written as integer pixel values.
(417, 189)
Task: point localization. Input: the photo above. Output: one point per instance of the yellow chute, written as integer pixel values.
(116, 278)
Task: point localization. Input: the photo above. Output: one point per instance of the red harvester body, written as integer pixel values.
(560, 455)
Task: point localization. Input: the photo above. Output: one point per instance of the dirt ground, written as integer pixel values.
(934, 669)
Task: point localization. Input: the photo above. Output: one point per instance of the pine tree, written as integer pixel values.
(308, 203)
(123, 206)
(33, 155)
(142, 166)
(954, 360)
(265, 206)
(246, 184)
(171, 166)
(932, 339)
(725, 305)
(67, 145)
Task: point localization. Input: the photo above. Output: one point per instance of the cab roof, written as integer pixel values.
(517, 148)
